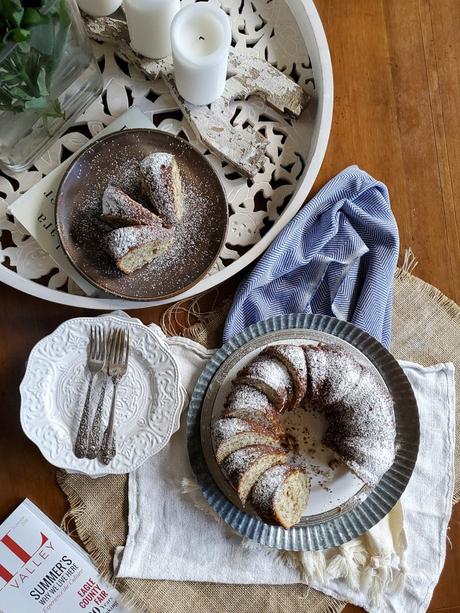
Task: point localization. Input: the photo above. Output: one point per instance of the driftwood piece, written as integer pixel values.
(243, 148)
(254, 76)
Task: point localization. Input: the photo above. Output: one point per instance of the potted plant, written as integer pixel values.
(48, 76)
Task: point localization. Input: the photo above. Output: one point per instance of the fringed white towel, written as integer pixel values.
(394, 567)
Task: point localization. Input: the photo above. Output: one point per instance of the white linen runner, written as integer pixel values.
(173, 534)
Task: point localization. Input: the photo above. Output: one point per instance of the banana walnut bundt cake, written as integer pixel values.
(248, 438)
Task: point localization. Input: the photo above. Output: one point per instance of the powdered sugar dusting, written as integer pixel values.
(121, 240)
(292, 354)
(269, 484)
(358, 411)
(162, 184)
(246, 397)
(238, 462)
(198, 238)
(120, 208)
(293, 358)
(227, 427)
(271, 372)
(156, 162)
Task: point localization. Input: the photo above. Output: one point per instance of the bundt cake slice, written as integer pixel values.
(232, 433)
(293, 358)
(280, 495)
(269, 376)
(332, 373)
(120, 209)
(363, 413)
(360, 424)
(343, 372)
(246, 402)
(134, 247)
(361, 428)
(161, 182)
(317, 367)
(368, 458)
(244, 466)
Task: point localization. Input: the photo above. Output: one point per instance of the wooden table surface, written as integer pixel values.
(397, 100)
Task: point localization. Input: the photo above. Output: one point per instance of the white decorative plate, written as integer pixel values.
(290, 35)
(54, 387)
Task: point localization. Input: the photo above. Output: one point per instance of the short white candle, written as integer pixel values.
(99, 8)
(149, 23)
(200, 40)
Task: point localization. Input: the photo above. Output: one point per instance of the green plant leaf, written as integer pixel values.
(24, 47)
(18, 35)
(38, 29)
(64, 16)
(38, 104)
(33, 17)
(20, 93)
(12, 12)
(42, 37)
(6, 77)
(41, 83)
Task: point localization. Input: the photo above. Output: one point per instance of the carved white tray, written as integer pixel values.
(290, 35)
(149, 399)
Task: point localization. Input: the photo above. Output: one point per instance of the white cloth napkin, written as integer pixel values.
(393, 568)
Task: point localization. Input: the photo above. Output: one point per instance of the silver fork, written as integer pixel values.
(94, 442)
(95, 362)
(117, 366)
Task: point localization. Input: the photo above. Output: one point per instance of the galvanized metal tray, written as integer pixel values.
(353, 507)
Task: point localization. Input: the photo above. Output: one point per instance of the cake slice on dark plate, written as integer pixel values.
(120, 209)
(134, 247)
(161, 183)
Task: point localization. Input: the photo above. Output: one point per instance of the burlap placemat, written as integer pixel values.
(426, 329)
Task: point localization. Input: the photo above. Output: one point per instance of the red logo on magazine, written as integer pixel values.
(8, 574)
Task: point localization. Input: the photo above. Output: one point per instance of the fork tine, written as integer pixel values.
(101, 343)
(113, 345)
(125, 361)
(97, 342)
(121, 347)
(104, 344)
(91, 342)
(108, 341)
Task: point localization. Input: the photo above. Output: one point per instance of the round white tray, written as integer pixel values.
(281, 31)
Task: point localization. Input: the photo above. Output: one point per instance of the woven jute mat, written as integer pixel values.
(426, 330)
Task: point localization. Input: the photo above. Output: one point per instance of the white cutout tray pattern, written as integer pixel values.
(280, 31)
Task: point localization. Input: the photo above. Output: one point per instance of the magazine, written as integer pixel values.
(43, 569)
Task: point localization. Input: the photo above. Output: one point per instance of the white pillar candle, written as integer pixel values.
(99, 8)
(200, 40)
(149, 23)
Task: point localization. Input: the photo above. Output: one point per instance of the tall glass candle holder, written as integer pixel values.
(45, 87)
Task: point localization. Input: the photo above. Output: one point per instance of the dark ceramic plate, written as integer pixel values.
(114, 159)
